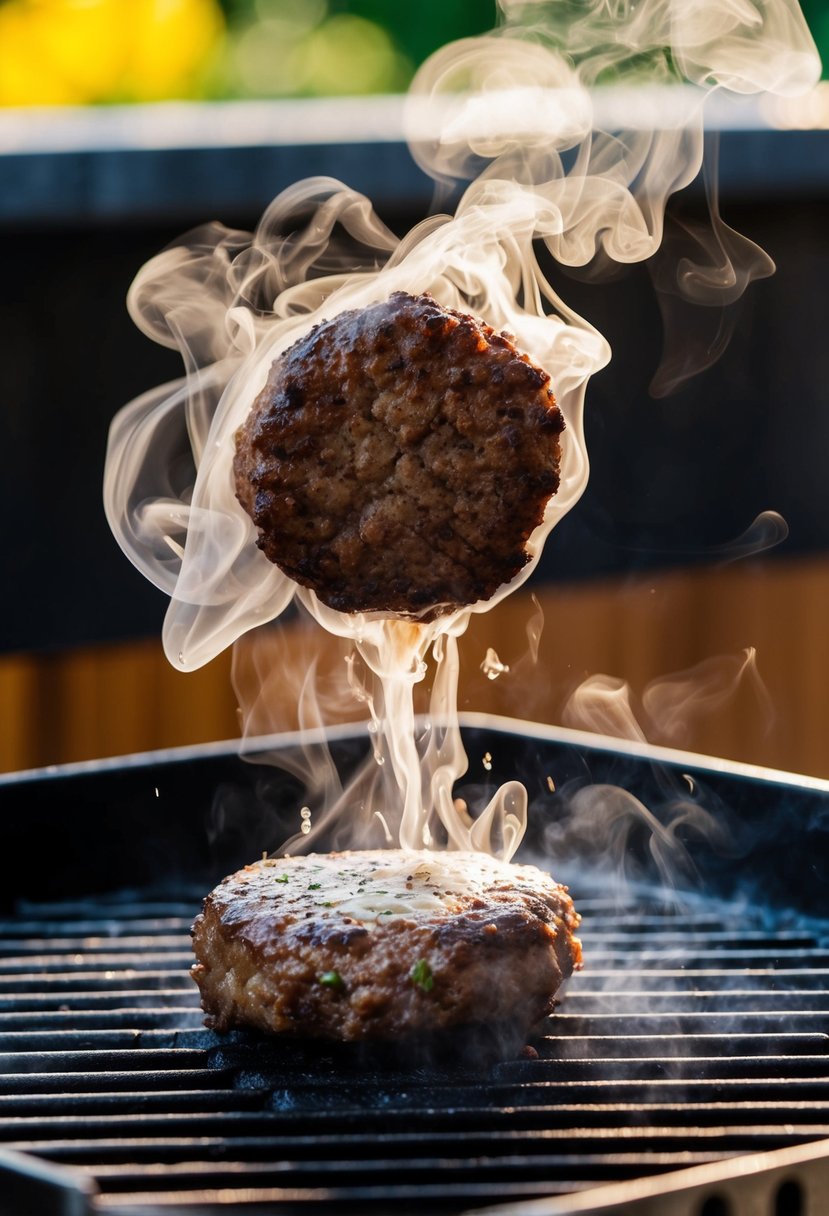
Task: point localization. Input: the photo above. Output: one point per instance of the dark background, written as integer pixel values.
(672, 480)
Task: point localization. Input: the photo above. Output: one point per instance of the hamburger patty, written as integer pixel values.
(399, 457)
(381, 945)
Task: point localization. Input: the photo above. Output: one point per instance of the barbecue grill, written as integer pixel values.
(686, 1070)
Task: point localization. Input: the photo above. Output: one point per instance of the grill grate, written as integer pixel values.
(695, 1034)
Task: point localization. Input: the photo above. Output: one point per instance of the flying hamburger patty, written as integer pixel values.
(399, 457)
(382, 945)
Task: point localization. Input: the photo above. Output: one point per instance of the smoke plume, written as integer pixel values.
(510, 120)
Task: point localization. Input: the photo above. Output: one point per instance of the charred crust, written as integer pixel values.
(420, 420)
(495, 958)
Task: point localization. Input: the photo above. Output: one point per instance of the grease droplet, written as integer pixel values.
(492, 667)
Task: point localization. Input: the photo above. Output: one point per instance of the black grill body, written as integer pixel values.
(696, 1034)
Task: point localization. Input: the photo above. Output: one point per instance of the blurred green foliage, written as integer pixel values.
(421, 26)
(370, 46)
(278, 48)
(816, 13)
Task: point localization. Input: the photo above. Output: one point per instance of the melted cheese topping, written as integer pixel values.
(376, 887)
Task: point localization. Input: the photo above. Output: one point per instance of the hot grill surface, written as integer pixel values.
(695, 1033)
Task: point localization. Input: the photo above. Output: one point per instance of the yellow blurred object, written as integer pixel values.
(72, 52)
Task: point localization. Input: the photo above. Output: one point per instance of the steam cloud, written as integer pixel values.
(514, 114)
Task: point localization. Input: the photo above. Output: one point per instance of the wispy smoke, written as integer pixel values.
(513, 114)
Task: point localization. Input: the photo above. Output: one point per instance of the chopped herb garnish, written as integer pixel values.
(421, 974)
(281, 878)
(328, 904)
(332, 979)
(314, 886)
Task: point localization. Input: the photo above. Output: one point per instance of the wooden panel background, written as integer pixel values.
(116, 699)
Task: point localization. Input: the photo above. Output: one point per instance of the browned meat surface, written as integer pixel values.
(399, 457)
(383, 945)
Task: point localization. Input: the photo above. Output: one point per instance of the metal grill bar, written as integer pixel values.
(105, 924)
(151, 960)
(112, 998)
(740, 1002)
(639, 1141)
(258, 1119)
(81, 980)
(107, 1019)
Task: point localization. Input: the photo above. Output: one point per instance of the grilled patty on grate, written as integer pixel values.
(399, 457)
(383, 944)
